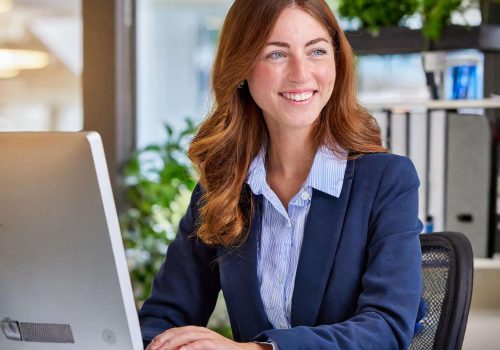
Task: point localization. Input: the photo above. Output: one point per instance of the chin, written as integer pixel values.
(301, 124)
(304, 120)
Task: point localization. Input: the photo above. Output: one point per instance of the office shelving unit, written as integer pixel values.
(485, 38)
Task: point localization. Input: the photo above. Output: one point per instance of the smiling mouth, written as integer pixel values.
(298, 97)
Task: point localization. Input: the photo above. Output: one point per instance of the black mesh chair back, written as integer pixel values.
(447, 268)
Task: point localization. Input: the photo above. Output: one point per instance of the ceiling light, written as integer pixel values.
(22, 59)
(4, 74)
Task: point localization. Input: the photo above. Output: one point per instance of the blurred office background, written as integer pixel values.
(40, 65)
(127, 67)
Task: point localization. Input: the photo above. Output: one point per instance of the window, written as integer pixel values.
(176, 42)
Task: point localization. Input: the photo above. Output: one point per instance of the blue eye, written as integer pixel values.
(318, 52)
(276, 55)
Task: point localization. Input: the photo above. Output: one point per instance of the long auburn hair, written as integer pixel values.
(234, 132)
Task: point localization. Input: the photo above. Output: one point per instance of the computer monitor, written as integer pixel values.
(64, 282)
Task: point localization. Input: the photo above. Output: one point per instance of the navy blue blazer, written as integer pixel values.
(358, 281)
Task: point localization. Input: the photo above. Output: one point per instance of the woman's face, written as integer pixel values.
(293, 77)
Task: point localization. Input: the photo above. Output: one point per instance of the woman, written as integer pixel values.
(307, 226)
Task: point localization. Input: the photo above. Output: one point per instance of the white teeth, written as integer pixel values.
(298, 97)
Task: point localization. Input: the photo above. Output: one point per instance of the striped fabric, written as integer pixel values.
(282, 231)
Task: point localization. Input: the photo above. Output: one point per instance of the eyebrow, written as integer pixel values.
(309, 43)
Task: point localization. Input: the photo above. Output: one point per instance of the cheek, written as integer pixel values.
(262, 81)
(327, 77)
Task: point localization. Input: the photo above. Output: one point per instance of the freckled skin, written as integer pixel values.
(293, 68)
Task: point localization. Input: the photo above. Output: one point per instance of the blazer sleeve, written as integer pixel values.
(392, 281)
(185, 289)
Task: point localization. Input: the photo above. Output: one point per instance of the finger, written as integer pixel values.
(154, 345)
(187, 336)
(150, 345)
(203, 344)
(164, 338)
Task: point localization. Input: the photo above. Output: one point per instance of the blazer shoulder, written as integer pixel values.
(382, 158)
(386, 164)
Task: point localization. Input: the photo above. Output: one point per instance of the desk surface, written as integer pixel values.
(483, 325)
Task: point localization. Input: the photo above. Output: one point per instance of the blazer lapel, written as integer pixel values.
(321, 237)
(239, 267)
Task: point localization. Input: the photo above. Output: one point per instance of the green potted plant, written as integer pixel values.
(436, 14)
(390, 36)
(158, 182)
(374, 14)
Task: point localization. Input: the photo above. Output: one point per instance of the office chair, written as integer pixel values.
(447, 270)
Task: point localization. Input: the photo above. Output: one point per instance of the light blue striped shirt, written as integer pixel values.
(282, 230)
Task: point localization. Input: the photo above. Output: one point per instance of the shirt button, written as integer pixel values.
(304, 195)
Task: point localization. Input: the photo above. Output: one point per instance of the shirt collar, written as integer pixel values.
(256, 177)
(326, 173)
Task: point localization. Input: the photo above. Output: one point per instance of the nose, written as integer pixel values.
(298, 70)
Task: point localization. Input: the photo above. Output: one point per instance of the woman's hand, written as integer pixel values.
(198, 338)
